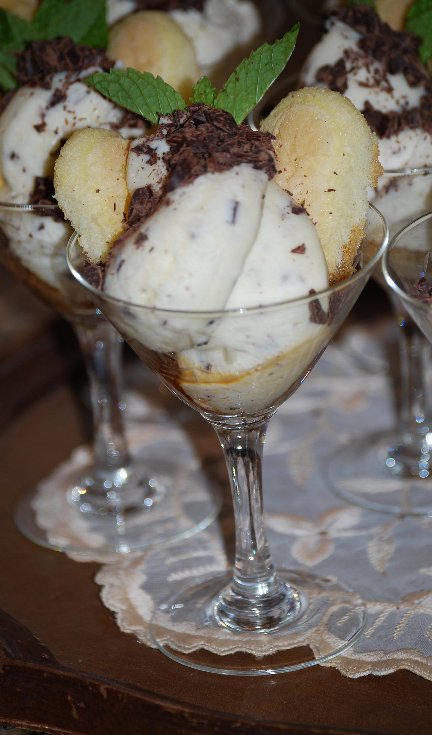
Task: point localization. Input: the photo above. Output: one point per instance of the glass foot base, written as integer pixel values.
(378, 473)
(183, 503)
(332, 618)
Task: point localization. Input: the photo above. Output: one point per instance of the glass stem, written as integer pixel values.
(414, 451)
(101, 347)
(414, 352)
(256, 598)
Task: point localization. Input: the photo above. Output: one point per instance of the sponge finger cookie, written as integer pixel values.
(323, 170)
(91, 189)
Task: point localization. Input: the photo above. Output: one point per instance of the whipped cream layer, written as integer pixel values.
(33, 125)
(227, 241)
(38, 119)
(221, 27)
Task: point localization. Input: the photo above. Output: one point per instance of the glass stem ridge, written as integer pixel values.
(256, 599)
(101, 347)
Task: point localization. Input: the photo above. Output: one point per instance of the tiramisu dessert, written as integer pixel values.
(50, 102)
(209, 229)
(183, 39)
(381, 72)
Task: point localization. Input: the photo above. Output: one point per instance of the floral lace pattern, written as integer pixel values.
(384, 557)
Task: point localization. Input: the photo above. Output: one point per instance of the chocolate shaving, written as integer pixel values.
(41, 59)
(200, 140)
(130, 120)
(298, 209)
(334, 76)
(93, 274)
(317, 314)
(204, 140)
(43, 195)
(398, 53)
(143, 203)
(422, 290)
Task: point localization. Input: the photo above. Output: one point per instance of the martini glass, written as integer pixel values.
(390, 470)
(236, 368)
(407, 269)
(119, 499)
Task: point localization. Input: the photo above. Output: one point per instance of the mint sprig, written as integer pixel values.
(139, 92)
(419, 21)
(250, 81)
(81, 20)
(151, 97)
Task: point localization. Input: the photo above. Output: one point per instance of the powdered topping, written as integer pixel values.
(397, 52)
(41, 59)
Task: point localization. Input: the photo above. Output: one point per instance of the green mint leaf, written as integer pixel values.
(204, 92)
(139, 92)
(82, 20)
(419, 21)
(7, 71)
(13, 29)
(254, 75)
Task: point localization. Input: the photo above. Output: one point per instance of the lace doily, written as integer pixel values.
(381, 556)
(185, 501)
(385, 558)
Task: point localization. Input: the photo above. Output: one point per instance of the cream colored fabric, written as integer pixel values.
(387, 559)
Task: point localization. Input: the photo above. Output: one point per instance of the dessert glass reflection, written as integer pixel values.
(389, 83)
(407, 269)
(395, 464)
(117, 490)
(236, 367)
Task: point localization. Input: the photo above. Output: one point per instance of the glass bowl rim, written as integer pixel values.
(26, 207)
(257, 309)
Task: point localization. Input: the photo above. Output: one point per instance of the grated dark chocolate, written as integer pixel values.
(317, 314)
(398, 53)
(94, 275)
(422, 290)
(43, 195)
(200, 140)
(41, 59)
(143, 203)
(204, 140)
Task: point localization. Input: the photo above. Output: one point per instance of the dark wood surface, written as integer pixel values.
(65, 666)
